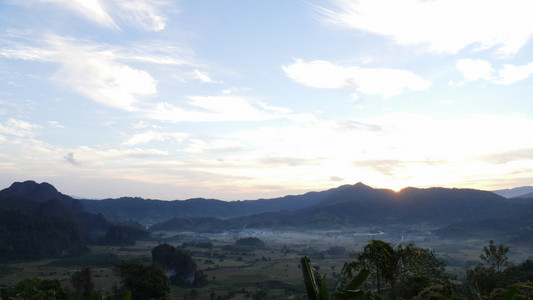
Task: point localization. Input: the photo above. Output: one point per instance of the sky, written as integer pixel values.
(239, 100)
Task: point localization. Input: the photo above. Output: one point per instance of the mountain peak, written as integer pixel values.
(39, 192)
(361, 185)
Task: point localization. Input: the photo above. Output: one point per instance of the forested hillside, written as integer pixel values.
(37, 221)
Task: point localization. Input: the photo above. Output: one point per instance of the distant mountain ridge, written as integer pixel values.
(344, 207)
(515, 192)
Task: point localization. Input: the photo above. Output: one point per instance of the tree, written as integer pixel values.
(495, 256)
(36, 289)
(83, 284)
(486, 278)
(382, 261)
(404, 271)
(418, 269)
(144, 281)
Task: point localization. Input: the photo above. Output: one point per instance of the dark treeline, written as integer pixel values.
(411, 272)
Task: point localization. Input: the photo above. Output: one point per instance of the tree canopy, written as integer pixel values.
(144, 281)
(402, 271)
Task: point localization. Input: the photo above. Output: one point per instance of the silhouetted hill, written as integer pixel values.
(524, 199)
(353, 205)
(528, 196)
(147, 212)
(464, 211)
(33, 230)
(37, 221)
(41, 192)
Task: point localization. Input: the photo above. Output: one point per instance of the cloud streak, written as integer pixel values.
(144, 14)
(149, 136)
(439, 26)
(371, 81)
(223, 108)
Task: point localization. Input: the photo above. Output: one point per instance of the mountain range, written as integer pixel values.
(457, 213)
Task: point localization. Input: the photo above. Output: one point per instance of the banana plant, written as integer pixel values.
(346, 288)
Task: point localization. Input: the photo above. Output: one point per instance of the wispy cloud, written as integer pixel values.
(509, 156)
(148, 136)
(383, 166)
(273, 162)
(218, 109)
(101, 72)
(372, 81)
(145, 14)
(19, 128)
(92, 10)
(202, 76)
(442, 26)
(55, 124)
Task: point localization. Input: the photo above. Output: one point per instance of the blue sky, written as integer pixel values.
(256, 99)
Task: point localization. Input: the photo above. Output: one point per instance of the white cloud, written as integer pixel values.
(146, 137)
(374, 81)
(49, 48)
(96, 71)
(442, 26)
(105, 81)
(511, 73)
(202, 76)
(475, 69)
(218, 109)
(19, 128)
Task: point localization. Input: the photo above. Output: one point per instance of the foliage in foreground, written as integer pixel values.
(347, 286)
(414, 273)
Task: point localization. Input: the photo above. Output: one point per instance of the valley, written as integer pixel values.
(329, 230)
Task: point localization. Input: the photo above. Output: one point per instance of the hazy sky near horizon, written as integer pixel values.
(256, 99)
